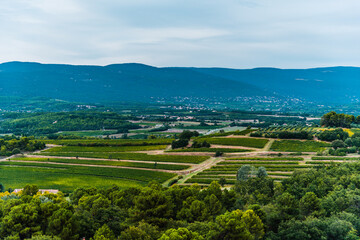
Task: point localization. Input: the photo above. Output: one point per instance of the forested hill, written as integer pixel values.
(122, 82)
(326, 85)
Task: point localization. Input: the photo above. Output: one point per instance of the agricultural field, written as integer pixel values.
(290, 128)
(67, 178)
(104, 163)
(298, 146)
(110, 142)
(278, 168)
(105, 149)
(229, 133)
(213, 150)
(244, 142)
(130, 156)
(91, 133)
(135, 162)
(96, 162)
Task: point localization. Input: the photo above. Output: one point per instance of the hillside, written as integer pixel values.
(138, 82)
(326, 85)
(120, 82)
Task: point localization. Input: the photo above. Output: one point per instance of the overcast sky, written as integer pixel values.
(223, 33)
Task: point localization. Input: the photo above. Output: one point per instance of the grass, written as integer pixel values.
(131, 156)
(298, 146)
(238, 132)
(67, 178)
(255, 162)
(106, 149)
(88, 133)
(244, 142)
(208, 181)
(264, 158)
(110, 142)
(214, 176)
(210, 150)
(108, 163)
(335, 158)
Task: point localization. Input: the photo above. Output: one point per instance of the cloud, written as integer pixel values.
(229, 33)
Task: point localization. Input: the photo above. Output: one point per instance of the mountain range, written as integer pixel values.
(139, 82)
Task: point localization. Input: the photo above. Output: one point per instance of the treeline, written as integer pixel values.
(10, 146)
(184, 139)
(152, 212)
(331, 135)
(284, 135)
(341, 143)
(319, 203)
(333, 119)
(48, 123)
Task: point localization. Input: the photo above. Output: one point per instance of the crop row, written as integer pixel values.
(255, 162)
(207, 181)
(106, 149)
(258, 165)
(211, 150)
(108, 163)
(215, 176)
(245, 142)
(133, 156)
(264, 158)
(135, 174)
(110, 142)
(67, 178)
(335, 158)
(298, 146)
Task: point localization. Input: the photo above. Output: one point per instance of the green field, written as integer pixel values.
(237, 132)
(130, 156)
(108, 163)
(88, 133)
(224, 150)
(106, 149)
(265, 158)
(67, 178)
(244, 142)
(110, 142)
(298, 146)
(335, 158)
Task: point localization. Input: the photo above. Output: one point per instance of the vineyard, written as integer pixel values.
(134, 162)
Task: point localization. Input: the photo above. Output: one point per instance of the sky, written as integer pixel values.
(198, 33)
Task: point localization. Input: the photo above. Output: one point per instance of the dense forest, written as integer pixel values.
(333, 119)
(320, 203)
(13, 145)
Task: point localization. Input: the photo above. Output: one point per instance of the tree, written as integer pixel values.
(218, 154)
(179, 143)
(152, 206)
(222, 181)
(104, 233)
(188, 134)
(180, 234)
(213, 204)
(240, 225)
(261, 172)
(22, 220)
(63, 224)
(245, 172)
(44, 237)
(309, 203)
(338, 144)
(30, 190)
